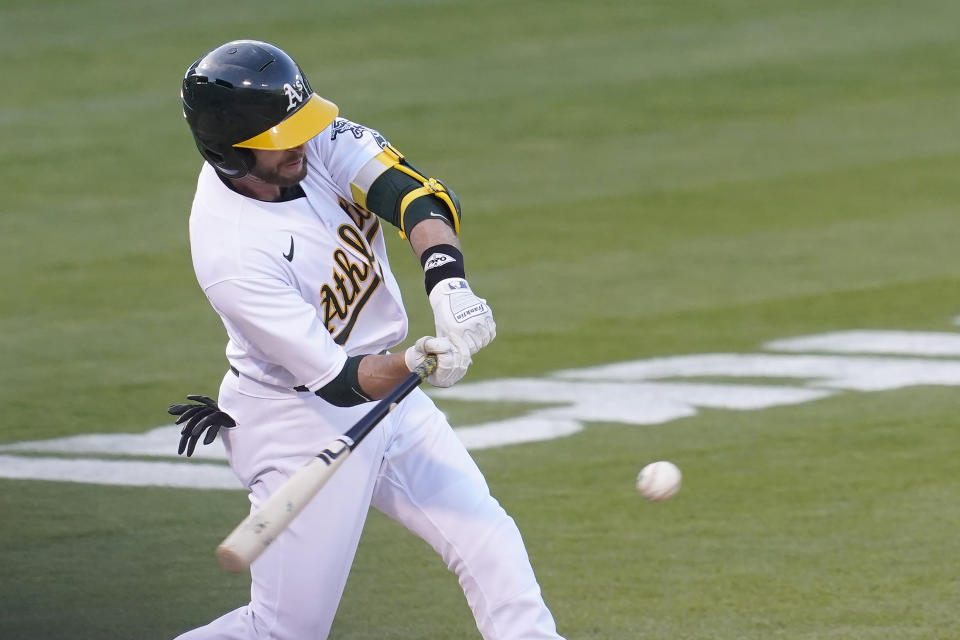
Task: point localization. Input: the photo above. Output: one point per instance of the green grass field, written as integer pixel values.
(639, 179)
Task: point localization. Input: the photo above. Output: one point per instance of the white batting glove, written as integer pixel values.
(459, 314)
(453, 359)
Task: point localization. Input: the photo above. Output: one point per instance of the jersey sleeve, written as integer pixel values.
(272, 320)
(348, 153)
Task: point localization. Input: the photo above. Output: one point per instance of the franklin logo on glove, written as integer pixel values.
(465, 314)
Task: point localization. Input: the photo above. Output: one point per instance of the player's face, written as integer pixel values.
(284, 168)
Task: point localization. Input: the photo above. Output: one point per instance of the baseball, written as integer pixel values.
(659, 480)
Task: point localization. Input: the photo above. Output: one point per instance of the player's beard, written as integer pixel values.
(281, 174)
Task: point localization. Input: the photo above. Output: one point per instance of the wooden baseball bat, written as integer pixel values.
(255, 533)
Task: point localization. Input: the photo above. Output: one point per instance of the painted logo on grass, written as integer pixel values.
(637, 392)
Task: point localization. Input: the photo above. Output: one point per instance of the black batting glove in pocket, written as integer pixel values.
(205, 416)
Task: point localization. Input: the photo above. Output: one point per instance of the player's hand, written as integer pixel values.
(459, 314)
(206, 416)
(453, 359)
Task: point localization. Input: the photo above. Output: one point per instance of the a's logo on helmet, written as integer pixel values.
(294, 93)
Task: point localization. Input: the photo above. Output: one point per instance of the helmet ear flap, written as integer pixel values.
(229, 161)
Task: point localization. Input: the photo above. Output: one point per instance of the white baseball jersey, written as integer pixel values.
(301, 284)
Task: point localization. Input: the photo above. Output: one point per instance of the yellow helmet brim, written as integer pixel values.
(309, 120)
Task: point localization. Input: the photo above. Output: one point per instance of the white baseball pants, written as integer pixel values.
(412, 468)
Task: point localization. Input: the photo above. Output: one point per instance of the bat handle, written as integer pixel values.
(425, 368)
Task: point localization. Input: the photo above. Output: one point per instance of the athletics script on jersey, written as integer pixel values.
(634, 393)
(354, 279)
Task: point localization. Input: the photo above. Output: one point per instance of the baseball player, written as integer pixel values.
(287, 243)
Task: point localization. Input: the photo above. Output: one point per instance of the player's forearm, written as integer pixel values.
(430, 233)
(379, 374)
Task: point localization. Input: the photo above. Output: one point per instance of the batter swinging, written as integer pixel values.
(288, 246)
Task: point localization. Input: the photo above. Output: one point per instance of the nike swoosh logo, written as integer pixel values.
(289, 256)
(434, 214)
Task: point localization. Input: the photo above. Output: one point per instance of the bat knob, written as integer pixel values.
(230, 560)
